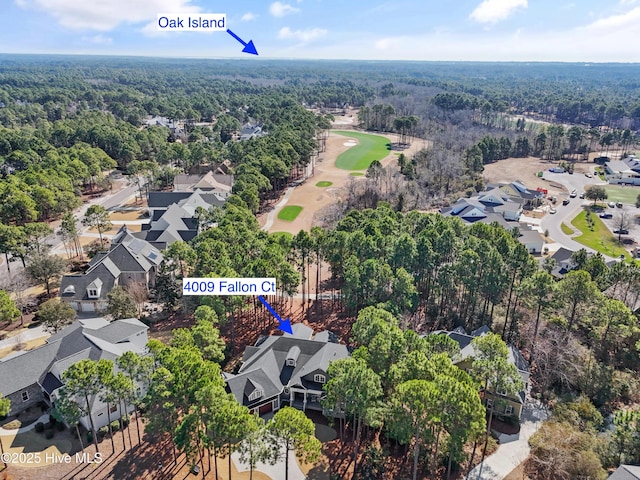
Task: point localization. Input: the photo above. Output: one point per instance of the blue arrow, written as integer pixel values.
(248, 48)
(285, 325)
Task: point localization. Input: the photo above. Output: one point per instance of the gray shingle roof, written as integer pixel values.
(62, 349)
(118, 331)
(626, 472)
(265, 363)
(164, 199)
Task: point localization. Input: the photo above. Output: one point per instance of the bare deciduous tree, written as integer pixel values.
(140, 293)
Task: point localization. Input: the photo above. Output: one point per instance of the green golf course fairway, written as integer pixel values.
(369, 148)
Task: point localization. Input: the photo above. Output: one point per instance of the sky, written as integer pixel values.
(424, 30)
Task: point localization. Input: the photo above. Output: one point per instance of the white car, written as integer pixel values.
(552, 211)
(588, 175)
(611, 204)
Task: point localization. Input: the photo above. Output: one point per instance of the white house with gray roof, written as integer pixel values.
(35, 376)
(129, 260)
(286, 370)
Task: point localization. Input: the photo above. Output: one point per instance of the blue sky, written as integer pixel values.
(486, 30)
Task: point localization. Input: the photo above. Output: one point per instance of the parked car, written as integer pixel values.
(581, 195)
(611, 205)
(552, 211)
(619, 205)
(606, 215)
(622, 231)
(566, 201)
(573, 194)
(588, 175)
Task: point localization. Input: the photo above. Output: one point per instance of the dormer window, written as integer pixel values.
(256, 394)
(93, 293)
(319, 378)
(292, 356)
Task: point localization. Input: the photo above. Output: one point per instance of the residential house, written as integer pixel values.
(625, 171)
(502, 204)
(290, 369)
(216, 183)
(531, 239)
(32, 377)
(505, 405)
(173, 216)
(563, 262)
(251, 130)
(129, 260)
(626, 472)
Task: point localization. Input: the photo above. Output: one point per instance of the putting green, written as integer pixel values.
(368, 149)
(289, 213)
(324, 183)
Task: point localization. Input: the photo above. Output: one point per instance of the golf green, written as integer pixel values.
(324, 183)
(289, 213)
(369, 148)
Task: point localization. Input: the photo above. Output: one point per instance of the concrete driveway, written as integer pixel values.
(510, 455)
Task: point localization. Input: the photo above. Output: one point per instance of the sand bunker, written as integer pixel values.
(350, 143)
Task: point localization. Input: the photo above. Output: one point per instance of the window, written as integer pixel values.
(508, 410)
(319, 378)
(25, 396)
(93, 293)
(113, 409)
(291, 362)
(489, 403)
(255, 395)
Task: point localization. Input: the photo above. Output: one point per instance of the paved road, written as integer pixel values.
(510, 455)
(109, 201)
(24, 336)
(272, 214)
(565, 213)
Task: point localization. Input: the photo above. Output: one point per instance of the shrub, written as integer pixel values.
(48, 434)
(52, 420)
(125, 421)
(89, 436)
(39, 427)
(103, 431)
(60, 426)
(115, 426)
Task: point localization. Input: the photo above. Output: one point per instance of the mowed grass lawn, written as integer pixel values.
(600, 239)
(289, 213)
(626, 194)
(369, 148)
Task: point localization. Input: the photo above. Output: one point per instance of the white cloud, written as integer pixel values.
(99, 39)
(279, 9)
(625, 21)
(304, 36)
(105, 15)
(247, 17)
(493, 11)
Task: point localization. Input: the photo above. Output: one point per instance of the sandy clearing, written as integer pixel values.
(525, 170)
(313, 198)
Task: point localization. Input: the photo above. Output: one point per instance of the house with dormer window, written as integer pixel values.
(129, 260)
(290, 369)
